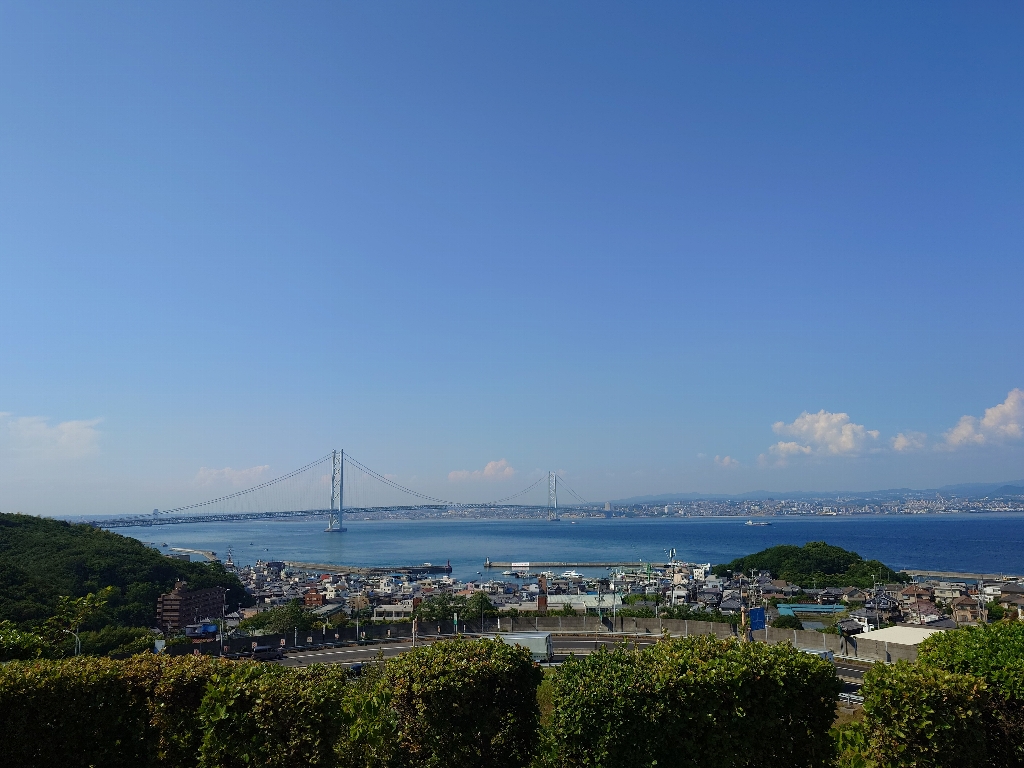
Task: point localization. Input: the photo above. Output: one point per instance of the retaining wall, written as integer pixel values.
(868, 650)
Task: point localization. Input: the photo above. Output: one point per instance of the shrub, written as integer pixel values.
(685, 612)
(787, 622)
(73, 712)
(465, 703)
(693, 701)
(117, 641)
(470, 702)
(923, 717)
(16, 644)
(267, 715)
(851, 746)
(634, 613)
(89, 711)
(176, 687)
(995, 653)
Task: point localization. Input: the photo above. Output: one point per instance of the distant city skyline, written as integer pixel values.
(662, 249)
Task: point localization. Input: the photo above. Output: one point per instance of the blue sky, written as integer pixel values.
(609, 240)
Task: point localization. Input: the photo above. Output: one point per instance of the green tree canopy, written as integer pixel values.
(815, 563)
(15, 644)
(442, 607)
(479, 604)
(42, 559)
(281, 619)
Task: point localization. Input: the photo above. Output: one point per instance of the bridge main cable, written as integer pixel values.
(387, 481)
(236, 494)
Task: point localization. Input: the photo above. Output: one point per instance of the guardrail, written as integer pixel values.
(622, 627)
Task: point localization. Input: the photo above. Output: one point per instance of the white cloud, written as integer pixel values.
(237, 477)
(909, 441)
(35, 435)
(494, 470)
(790, 449)
(1001, 423)
(726, 462)
(822, 433)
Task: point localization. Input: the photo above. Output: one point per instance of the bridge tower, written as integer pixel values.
(337, 492)
(552, 496)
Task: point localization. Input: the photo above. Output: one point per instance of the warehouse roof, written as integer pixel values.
(901, 635)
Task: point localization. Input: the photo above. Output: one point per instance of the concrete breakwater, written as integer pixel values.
(208, 554)
(411, 570)
(535, 564)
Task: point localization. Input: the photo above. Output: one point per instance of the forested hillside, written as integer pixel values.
(42, 558)
(815, 564)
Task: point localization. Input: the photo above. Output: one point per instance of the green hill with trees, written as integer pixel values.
(815, 563)
(42, 559)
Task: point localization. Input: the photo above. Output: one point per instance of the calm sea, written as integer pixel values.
(990, 543)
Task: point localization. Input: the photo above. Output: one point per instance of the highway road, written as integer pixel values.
(563, 646)
(850, 672)
(348, 656)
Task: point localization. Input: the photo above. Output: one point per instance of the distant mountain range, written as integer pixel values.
(961, 490)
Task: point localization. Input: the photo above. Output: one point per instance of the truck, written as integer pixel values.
(537, 643)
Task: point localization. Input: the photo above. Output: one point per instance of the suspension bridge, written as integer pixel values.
(319, 489)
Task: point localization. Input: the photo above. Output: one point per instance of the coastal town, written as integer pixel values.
(336, 596)
(1008, 498)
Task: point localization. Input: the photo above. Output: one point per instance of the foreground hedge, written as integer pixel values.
(99, 712)
(474, 702)
(691, 702)
(961, 705)
(267, 715)
(465, 703)
(461, 702)
(994, 653)
(924, 717)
